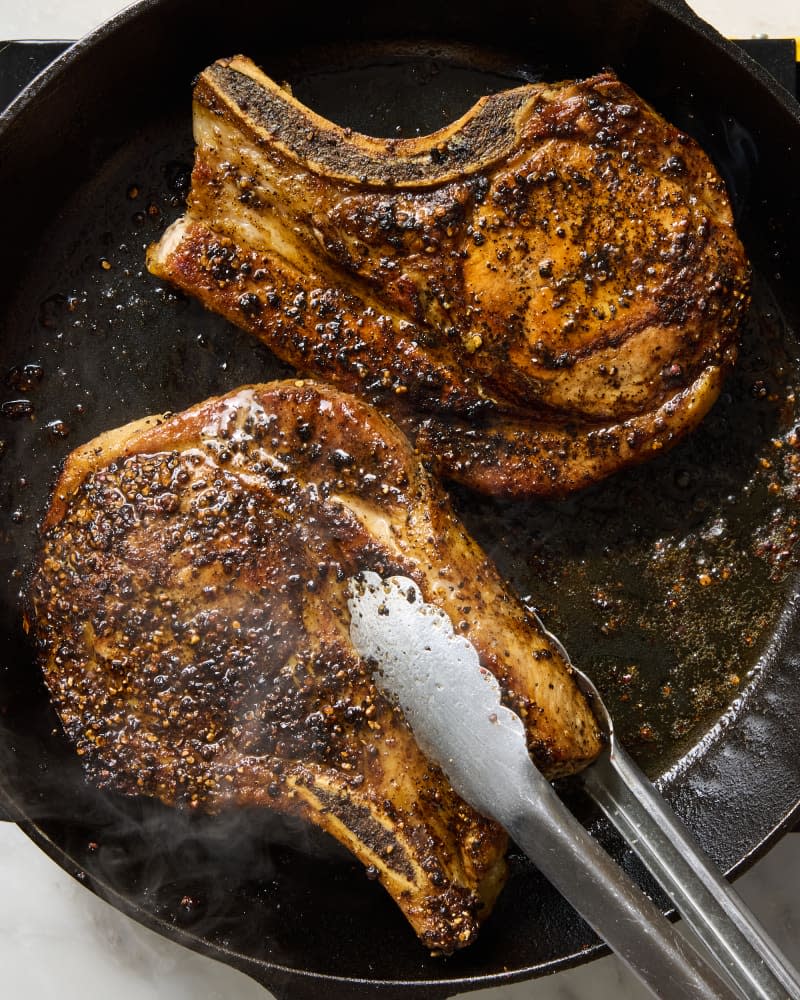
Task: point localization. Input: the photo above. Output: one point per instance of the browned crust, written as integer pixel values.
(574, 283)
(189, 609)
(513, 458)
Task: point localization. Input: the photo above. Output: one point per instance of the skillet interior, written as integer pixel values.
(615, 571)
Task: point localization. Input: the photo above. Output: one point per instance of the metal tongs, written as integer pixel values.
(453, 707)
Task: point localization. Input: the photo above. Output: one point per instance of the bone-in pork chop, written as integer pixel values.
(190, 608)
(544, 292)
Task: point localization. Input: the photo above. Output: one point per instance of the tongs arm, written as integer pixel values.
(616, 908)
(708, 904)
(454, 707)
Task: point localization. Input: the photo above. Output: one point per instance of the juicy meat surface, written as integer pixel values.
(189, 606)
(541, 293)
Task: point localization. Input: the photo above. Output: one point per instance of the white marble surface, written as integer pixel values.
(59, 942)
(72, 18)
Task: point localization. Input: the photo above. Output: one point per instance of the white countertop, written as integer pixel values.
(73, 18)
(60, 942)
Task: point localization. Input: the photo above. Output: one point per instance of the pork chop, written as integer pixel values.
(543, 292)
(190, 611)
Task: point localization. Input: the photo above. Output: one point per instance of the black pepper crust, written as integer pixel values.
(189, 609)
(572, 278)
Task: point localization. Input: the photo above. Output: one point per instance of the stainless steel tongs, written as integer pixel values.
(453, 707)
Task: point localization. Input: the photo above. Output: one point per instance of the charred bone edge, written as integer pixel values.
(473, 142)
(356, 827)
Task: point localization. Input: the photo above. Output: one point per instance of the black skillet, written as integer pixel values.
(674, 585)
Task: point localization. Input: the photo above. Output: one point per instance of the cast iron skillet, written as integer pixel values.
(673, 584)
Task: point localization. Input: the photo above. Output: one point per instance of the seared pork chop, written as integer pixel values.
(542, 293)
(190, 609)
